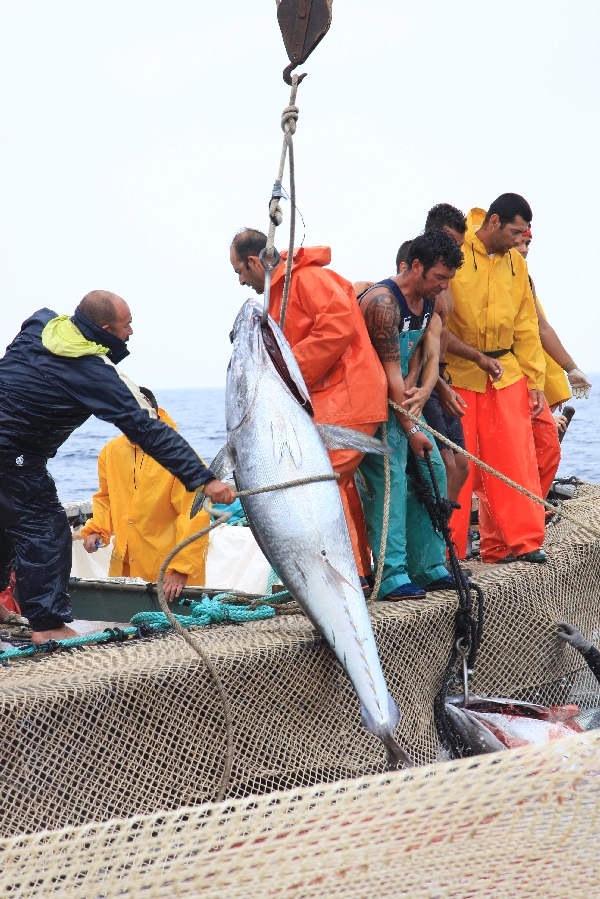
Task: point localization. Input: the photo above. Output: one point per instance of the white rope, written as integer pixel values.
(386, 518)
(289, 117)
(497, 474)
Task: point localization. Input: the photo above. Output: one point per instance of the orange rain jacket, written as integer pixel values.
(148, 510)
(493, 310)
(327, 332)
(556, 385)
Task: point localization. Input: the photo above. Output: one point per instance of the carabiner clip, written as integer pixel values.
(464, 654)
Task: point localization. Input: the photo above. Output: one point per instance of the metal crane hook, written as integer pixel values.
(303, 24)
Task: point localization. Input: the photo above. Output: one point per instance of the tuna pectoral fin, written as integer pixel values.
(222, 465)
(336, 437)
(197, 504)
(224, 462)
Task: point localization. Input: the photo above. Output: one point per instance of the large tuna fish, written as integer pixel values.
(271, 439)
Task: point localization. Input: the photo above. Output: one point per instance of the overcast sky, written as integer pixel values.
(138, 136)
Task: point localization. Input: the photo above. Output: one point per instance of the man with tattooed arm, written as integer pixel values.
(400, 315)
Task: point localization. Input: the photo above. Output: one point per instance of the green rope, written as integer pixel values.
(70, 642)
(208, 611)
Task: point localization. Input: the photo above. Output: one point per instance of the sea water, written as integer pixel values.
(200, 417)
(198, 414)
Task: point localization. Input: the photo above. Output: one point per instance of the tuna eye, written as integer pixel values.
(231, 337)
(323, 553)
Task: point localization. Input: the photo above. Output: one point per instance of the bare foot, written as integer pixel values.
(58, 633)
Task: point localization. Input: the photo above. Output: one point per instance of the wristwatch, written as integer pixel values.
(413, 430)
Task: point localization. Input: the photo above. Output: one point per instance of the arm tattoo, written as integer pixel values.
(382, 318)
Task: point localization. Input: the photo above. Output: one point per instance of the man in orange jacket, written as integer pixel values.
(329, 339)
(494, 313)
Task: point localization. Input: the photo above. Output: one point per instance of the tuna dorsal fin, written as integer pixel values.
(285, 441)
(336, 437)
(224, 462)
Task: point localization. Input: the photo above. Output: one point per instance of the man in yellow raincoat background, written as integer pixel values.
(494, 314)
(148, 511)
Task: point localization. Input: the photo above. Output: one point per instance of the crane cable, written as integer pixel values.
(269, 257)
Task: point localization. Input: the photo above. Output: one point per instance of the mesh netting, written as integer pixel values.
(115, 731)
(518, 823)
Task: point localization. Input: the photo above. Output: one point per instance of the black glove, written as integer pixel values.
(575, 638)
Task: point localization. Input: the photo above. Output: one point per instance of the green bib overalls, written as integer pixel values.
(415, 552)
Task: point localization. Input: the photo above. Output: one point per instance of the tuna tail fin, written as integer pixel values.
(336, 437)
(396, 755)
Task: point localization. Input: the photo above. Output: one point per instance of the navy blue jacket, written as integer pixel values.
(44, 397)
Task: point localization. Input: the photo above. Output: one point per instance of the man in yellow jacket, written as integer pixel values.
(148, 511)
(494, 313)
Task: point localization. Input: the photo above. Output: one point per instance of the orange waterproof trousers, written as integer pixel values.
(497, 428)
(345, 463)
(547, 448)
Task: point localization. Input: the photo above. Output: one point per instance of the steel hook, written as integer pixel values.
(464, 652)
(287, 73)
(268, 267)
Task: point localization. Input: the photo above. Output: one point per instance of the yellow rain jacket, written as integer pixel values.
(148, 511)
(556, 385)
(494, 310)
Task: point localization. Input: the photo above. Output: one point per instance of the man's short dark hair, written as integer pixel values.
(248, 242)
(145, 391)
(446, 215)
(402, 253)
(99, 307)
(432, 247)
(507, 207)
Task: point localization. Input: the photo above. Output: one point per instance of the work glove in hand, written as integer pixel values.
(575, 638)
(579, 384)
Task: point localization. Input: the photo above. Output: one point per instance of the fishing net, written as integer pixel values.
(119, 730)
(518, 823)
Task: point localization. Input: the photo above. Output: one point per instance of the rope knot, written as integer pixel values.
(289, 117)
(275, 213)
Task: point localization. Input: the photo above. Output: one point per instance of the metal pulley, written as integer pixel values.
(303, 24)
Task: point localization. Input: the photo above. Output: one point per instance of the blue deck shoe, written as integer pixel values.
(405, 591)
(444, 583)
(536, 555)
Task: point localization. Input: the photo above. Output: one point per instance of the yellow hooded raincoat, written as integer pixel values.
(494, 310)
(148, 510)
(556, 385)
